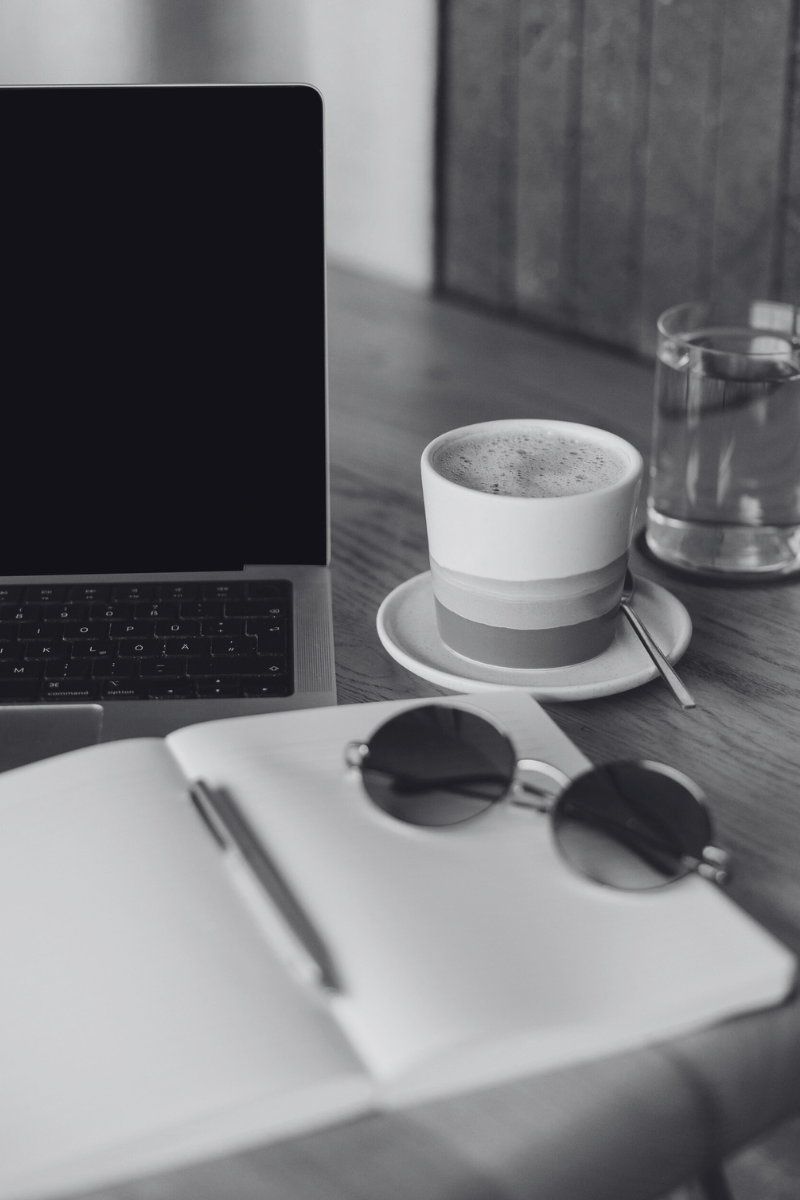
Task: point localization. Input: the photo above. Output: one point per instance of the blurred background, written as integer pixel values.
(373, 61)
(582, 164)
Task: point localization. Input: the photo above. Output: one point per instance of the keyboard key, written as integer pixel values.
(224, 666)
(65, 612)
(167, 689)
(21, 670)
(105, 649)
(136, 647)
(179, 591)
(41, 593)
(224, 590)
(10, 594)
(264, 688)
(24, 629)
(76, 668)
(89, 649)
(70, 668)
(198, 610)
(156, 668)
(256, 608)
(227, 627)
(263, 589)
(111, 668)
(8, 631)
(167, 610)
(43, 631)
(271, 635)
(184, 647)
(130, 629)
(12, 651)
(173, 629)
(69, 689)
(111, 612)
(240, 645)
(20, 612)
(103, 668)
(133, 591)
(89, 592)
(85, 630)
(18, 689)
(209, 689)
(46, 651)
(123, 689)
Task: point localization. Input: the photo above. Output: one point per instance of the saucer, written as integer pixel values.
(407, 627)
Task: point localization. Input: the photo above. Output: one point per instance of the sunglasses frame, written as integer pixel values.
(712, 863)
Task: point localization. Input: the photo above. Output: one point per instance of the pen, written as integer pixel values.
(232, 831)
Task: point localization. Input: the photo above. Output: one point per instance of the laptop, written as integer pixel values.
(165, 538)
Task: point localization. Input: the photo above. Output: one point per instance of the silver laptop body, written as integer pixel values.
(164, 363)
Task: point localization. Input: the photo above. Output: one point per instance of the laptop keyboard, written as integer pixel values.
(142, 641)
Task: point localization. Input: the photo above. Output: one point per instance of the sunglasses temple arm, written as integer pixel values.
(544, 802)
(460, 784)
(655, 855)
(657, 830)
(712, 865)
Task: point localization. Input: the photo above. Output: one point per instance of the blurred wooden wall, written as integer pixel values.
(600, 160)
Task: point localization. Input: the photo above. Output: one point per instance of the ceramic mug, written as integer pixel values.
(529, 527)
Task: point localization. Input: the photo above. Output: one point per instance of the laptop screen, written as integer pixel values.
(163, 329)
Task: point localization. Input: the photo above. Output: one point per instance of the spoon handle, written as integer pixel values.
(670, 676)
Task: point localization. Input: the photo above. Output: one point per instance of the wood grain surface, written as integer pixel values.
(404, 368)
(442, 367)
(427, 367)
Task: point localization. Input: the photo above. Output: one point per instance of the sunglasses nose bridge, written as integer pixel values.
(527, 793)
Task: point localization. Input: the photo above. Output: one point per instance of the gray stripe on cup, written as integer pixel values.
(530, 604)
(531, 648)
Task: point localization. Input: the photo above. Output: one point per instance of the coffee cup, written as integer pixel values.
(529, 527)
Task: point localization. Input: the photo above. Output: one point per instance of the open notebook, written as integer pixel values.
(148, 1017)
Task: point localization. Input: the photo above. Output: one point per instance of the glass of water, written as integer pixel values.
(724, 494)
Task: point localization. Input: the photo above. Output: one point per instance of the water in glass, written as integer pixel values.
(725, 477)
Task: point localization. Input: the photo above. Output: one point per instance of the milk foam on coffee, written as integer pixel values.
(530, 462)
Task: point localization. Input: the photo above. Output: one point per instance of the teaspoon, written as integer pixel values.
(670, 676)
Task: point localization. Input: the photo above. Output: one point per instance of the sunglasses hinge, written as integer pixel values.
(714, 864)
(355, 753)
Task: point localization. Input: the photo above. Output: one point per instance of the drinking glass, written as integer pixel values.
(724, 494)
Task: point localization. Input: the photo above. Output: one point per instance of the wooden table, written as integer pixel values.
(404, 369)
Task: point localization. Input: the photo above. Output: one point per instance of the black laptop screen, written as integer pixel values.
(163, 341)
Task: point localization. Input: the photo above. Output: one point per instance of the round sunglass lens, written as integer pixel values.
(632, 825)
(436, 765)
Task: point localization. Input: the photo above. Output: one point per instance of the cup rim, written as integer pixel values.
(703, 309)
(635, 460)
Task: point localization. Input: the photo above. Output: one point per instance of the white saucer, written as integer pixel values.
(407, 628)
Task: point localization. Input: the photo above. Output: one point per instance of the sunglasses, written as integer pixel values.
(633, 825)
